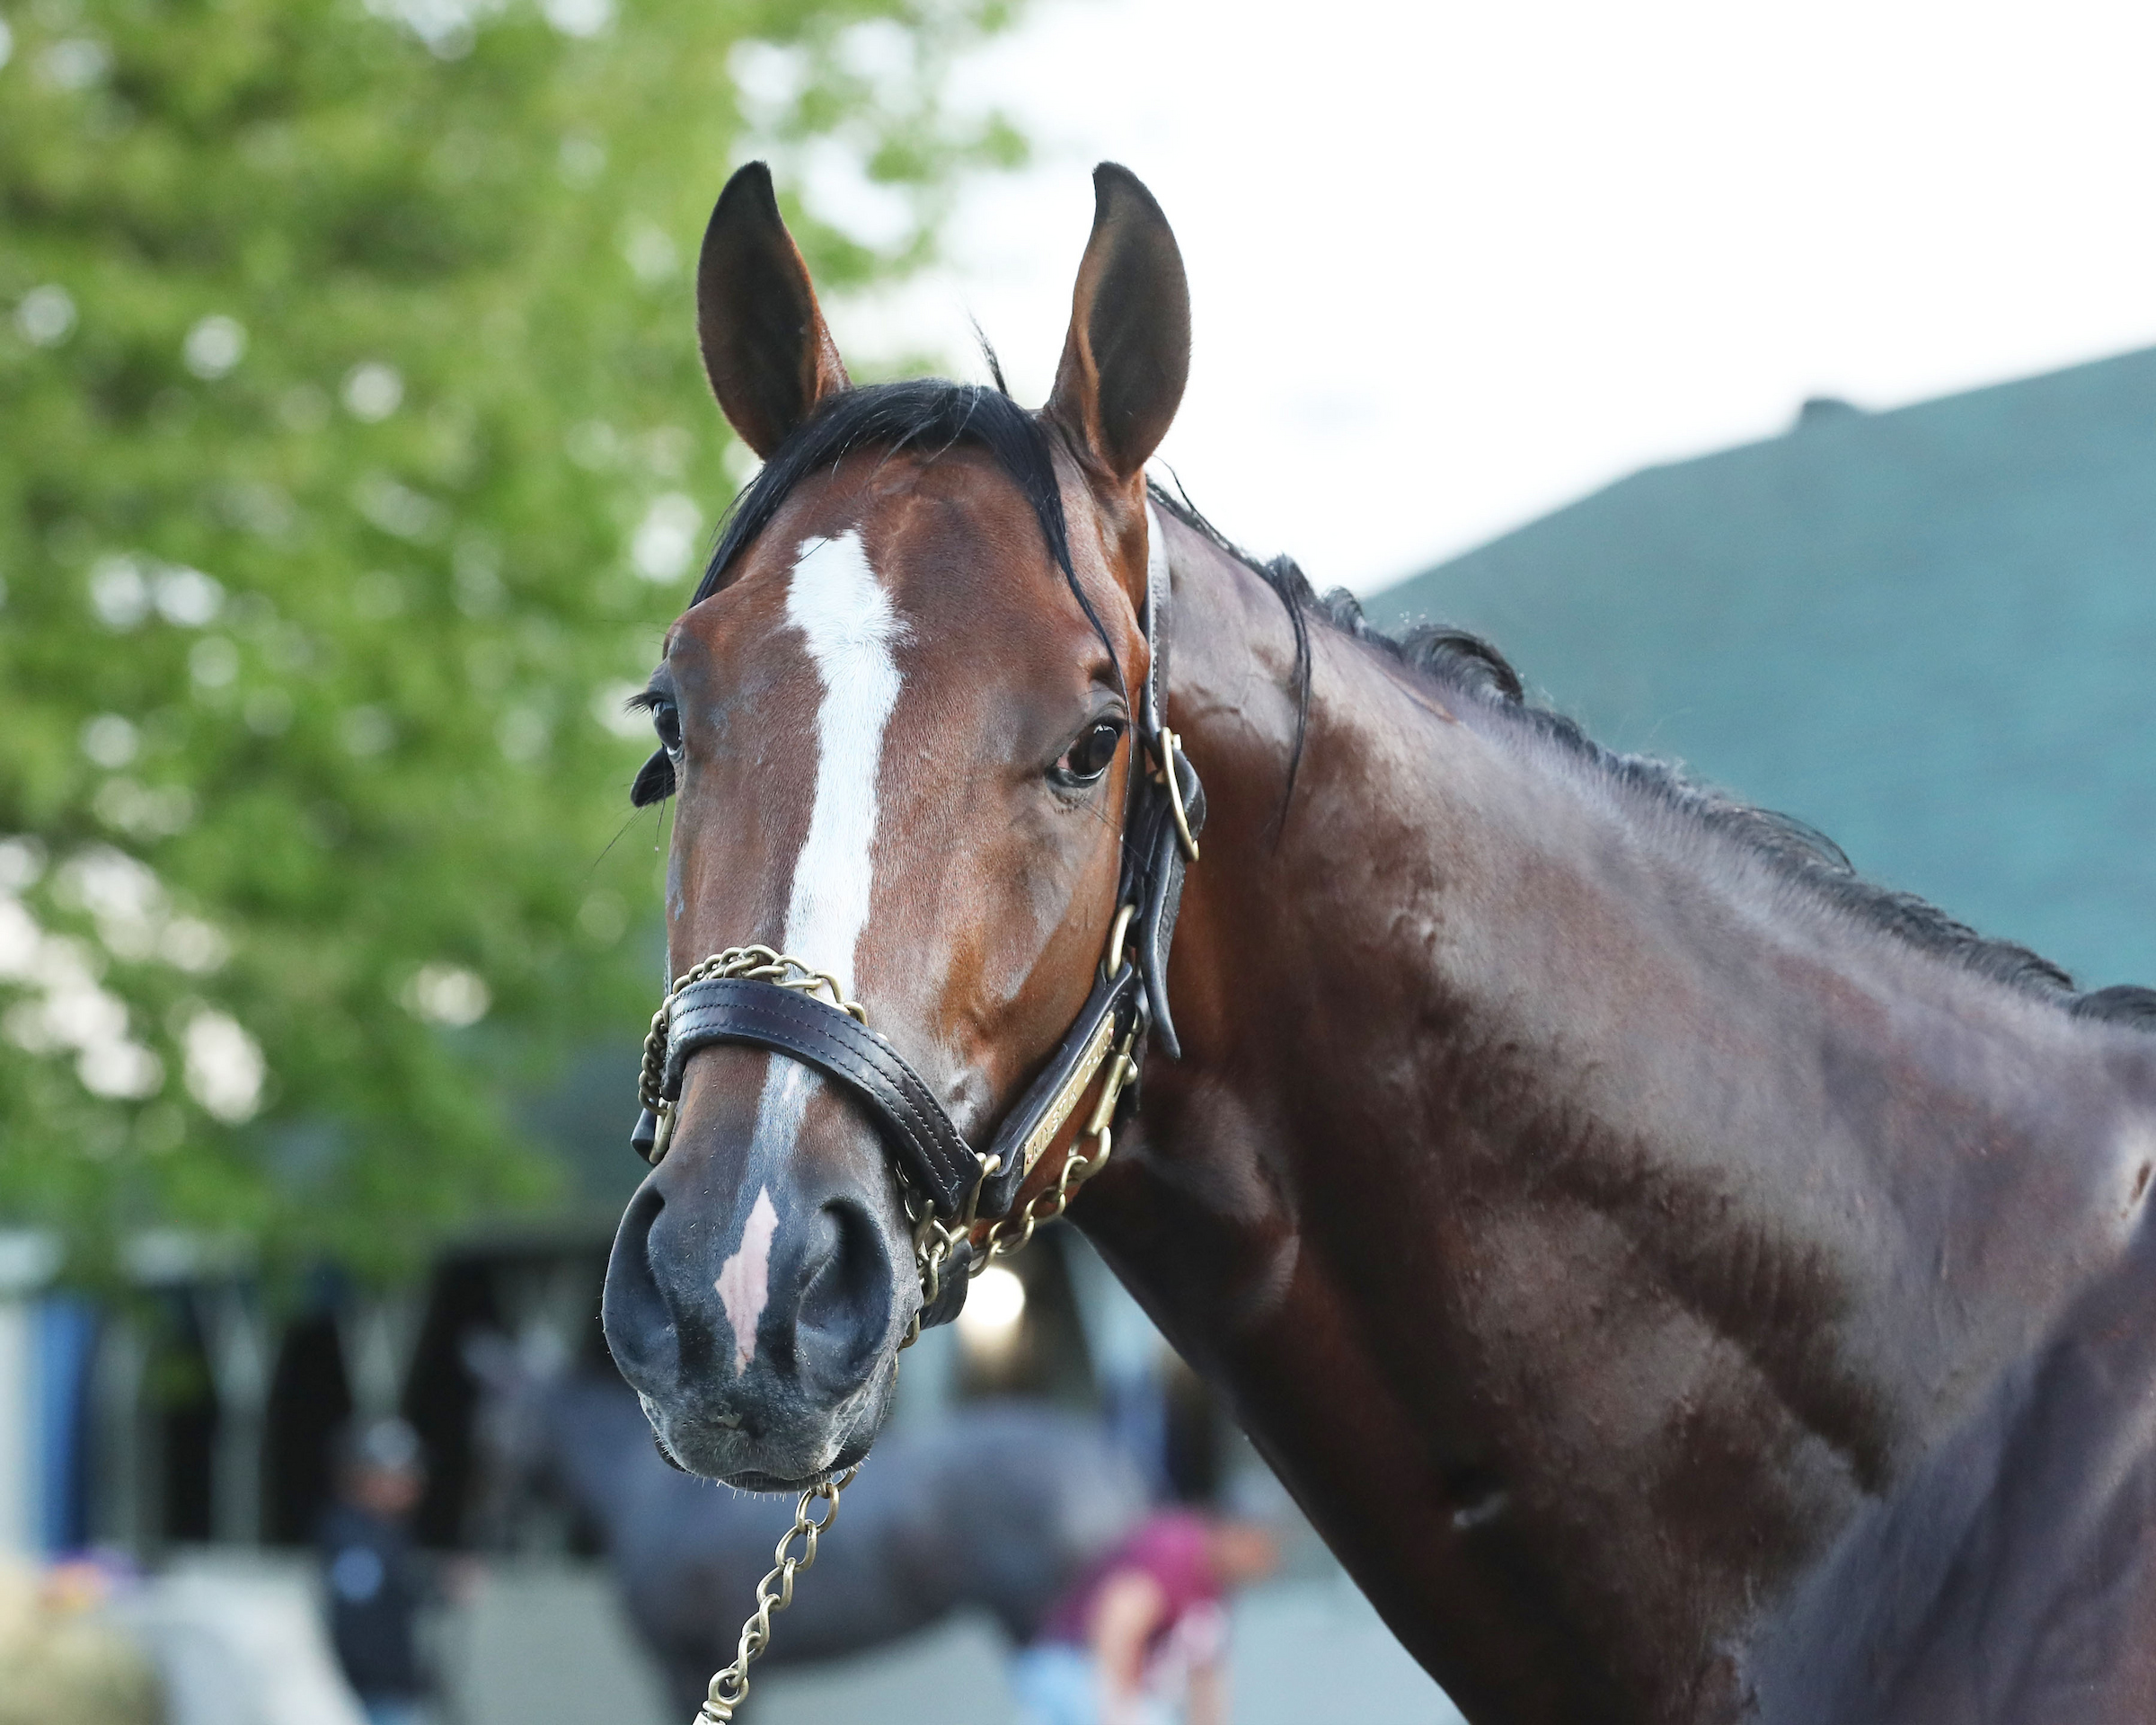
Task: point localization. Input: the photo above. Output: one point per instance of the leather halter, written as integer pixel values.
(1166, 808)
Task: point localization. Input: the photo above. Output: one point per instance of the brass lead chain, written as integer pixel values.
(729, 1688)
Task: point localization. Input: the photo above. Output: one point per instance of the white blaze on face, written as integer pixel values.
(837, 602)
(744, 1281)
(851, 628)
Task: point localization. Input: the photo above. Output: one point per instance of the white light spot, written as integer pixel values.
(577, 17)
(191, 944)
(610, 706)
(120, 1068)
(652, 256)
(373, 391)
(994, 1304)
(76, 63)
(188, 598)
(45, 315)
(110, 742)
(144, 812)
(225, 1067)
(73, 1012)
(583, 160)
(447, 994)
(21, 862)
(78, 1013)
(123, 896)
(396, 508)
(120, 591)
(744, 1282)
(665, 539)
(603, 917)
(836, 185)
(214, 346)
(769, 78)
(449, 27)
(20, 937)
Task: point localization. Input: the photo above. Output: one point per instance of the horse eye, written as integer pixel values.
(665, 720)
(1091, 754)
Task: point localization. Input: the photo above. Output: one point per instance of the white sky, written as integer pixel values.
(1454, 264)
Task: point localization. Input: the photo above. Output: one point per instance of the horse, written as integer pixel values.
(1679, 1281)
(925, 1534)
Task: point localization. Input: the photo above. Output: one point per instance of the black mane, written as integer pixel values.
(1466, 663)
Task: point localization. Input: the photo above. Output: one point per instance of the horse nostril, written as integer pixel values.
(845, 1312)
(634, 1312)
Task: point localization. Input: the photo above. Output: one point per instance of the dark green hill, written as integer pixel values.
(1929, 632)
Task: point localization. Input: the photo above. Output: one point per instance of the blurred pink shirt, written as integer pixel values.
(1171, 1548)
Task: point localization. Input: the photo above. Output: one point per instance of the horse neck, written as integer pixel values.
(1630, 1212)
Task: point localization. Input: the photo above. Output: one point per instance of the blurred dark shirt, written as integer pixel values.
(376, 1582)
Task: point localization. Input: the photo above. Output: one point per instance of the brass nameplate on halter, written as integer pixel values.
(1066, 1099)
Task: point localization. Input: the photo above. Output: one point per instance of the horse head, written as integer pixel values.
(897, 722)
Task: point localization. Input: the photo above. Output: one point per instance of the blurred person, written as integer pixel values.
(376, 1580)
(1142, 1636)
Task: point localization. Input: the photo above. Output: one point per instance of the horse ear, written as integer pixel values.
(1128, 355)
(766, 350)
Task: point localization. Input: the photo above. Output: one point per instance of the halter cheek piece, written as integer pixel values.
(757, 996)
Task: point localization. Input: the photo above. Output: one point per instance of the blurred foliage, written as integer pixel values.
(353, 457)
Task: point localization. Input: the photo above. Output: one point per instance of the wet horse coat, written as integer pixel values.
(1680, 1281)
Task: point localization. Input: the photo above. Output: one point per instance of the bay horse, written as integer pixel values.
(1680, 1281)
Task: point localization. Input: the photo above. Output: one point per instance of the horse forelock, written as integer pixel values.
(925, 417)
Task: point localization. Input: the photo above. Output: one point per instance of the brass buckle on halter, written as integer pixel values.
(1111, 960)
(1171, 746)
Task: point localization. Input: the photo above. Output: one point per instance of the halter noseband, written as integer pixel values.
(754, 996)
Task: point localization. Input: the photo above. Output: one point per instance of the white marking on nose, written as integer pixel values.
(835, 600)
(744, 1281)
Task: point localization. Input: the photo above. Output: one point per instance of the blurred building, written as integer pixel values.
(1928, 632)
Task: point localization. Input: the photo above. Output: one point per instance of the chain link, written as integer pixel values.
(1012, 1234)
(729, 1688)
(755, 963)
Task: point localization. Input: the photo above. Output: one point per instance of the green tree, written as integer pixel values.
(353, 457)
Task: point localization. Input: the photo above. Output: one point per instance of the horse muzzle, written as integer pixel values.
(762, 1279)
